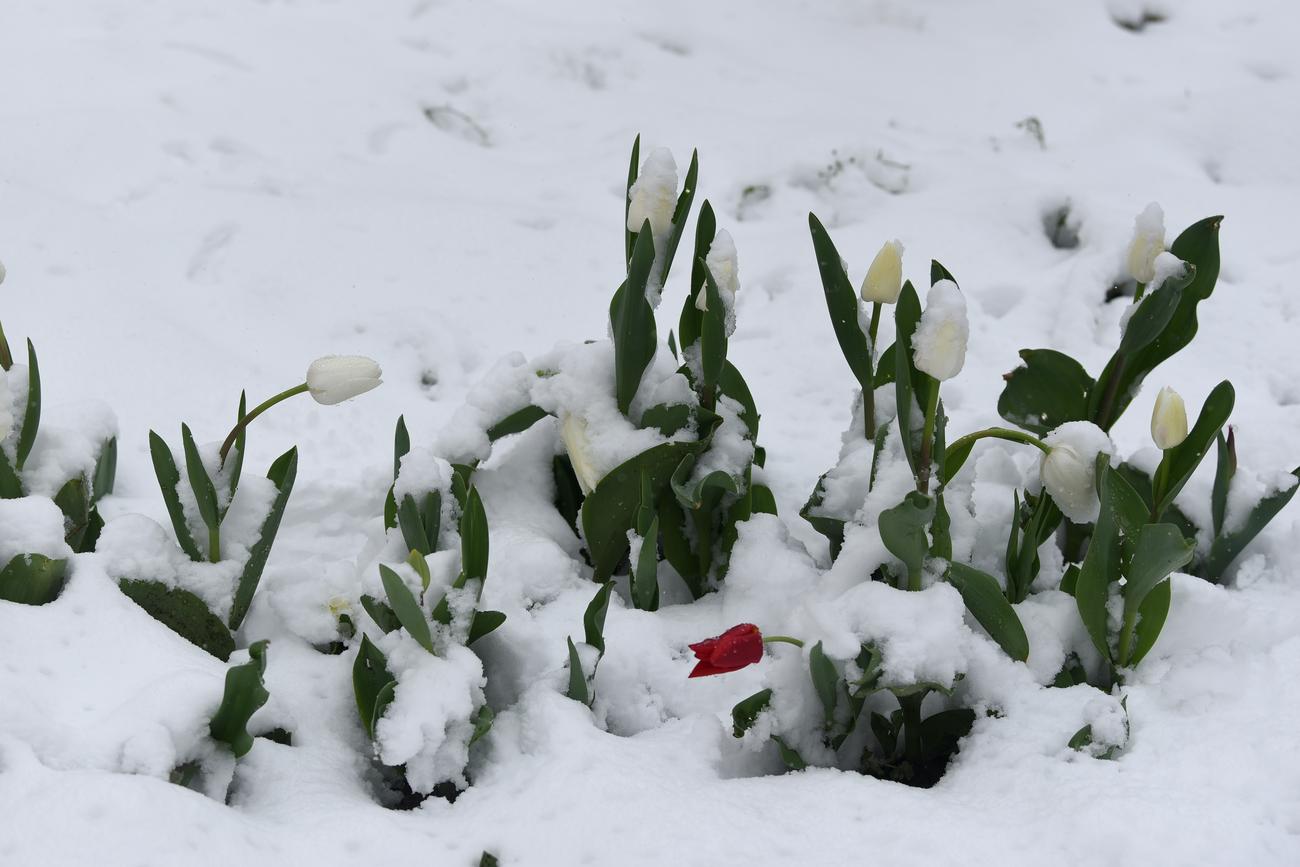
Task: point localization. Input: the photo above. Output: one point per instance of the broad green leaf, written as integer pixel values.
(987, 604)
(411, 524)
(370, 676)
(406, 607)
(205, 493)
(1151, 619)
(632, 322)
(941, 731)
(164, 467)
(1101, 565)
(183, 613)
(1049, 389)
(825, 680)
(689, 325)
(1227, 547)
(32, 579)
(577, 678)
(1159, 550)
(484, 623)
(842, 304)
(593, 620)
(281, 474)
(473, 541)
(482, 720)
(746, 711)
(32, 415)
(11, 486)
(680, 215)
(517, 422)
(1153, 313)
(105, 474)
(244, 694)
(1181, 461)
(381, 613)
(645, 571)
(431, 518)
(902, 529)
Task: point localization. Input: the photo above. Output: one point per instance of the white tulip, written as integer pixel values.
(1169, 420)
(724, 265)
(939, 344)
(336, 378)
(573, 431)
(884, 278)
(653, 196)
(1069, 470)
(1148, 243)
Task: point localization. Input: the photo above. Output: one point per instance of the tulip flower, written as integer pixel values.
(1147, 244)
(939, 344)
(723, 265)
(1069, 471)
(884, 278)
(336, 378)
(653, 196)
(734, 649)
(573, 432)
(1168, 420)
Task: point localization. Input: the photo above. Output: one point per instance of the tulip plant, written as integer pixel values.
(212, 479)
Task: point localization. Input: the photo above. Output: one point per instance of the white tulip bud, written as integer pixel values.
(939, 344)
(653, 196)
(1069, 470)
(1169, 420)
(573, 431)
(724, 265)
(884, 278)
(1148, 243)
(336, 378)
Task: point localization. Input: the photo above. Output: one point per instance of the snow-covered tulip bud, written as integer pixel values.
(1169, 420)
(1148, 243)
(653, 196)
(1069, 469)
(723, 264)
(939, 344)
(573, 431)
(884, 278)
(336, 378)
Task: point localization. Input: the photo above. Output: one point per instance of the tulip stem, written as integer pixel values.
(875, 324)
(868, 393)
(257, 410)
(783, 639)
(923, 460)
(214, 543)
(1158, 486)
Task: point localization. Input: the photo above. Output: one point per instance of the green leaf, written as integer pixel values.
(902, 529)
(1151, 619)
(789, 755)
(411, 524)
(401, 445)
(680, 214)
(629, 237)
(1225, 469)
(1159, 550)
(632, 322)
(938, 272)
(205, 493)
(74, 502)
(746, 711)
(764, 501)
(370, 680)
(473, 541)
(568, 493)
(1198, 245)
(667, 418)
(941, 731)
(482, 720)
(593, 620)
(1181, 461)
(713, 338)
(1049, 389)
(842, 304)
(517, 422)
(825, 680)
(11, 486)
(164, 467)
(1227, 547)
(488, 860)
(282, 474)
(987, 604)
(379, 612)
(689, 325)
(243, 696)
(32, 415)
(831, 528)
(405, 606)
(610, 510)
(577, 678)
(484, 623)
(236, 457)
(32, 579)
(105, 474)
(1101, 565)
(183, 613)
(431, 518)
(911, 388)
(645, 572)
(1152, 314)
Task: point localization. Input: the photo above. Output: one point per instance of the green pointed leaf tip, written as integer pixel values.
(370, 677)
(282, 474)
(842, 304)
(577, 678)
(244, 694)
(473, 540)
(745, 713)
(169, 477)
(632, 322)
(593, 620)
(401, 445)
(825, 680)
(32, 414)
(205, 493)
(985, 601)
(405, 606)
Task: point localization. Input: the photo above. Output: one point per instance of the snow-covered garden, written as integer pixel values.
(499, 434)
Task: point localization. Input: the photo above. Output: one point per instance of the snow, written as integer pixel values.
(939, 344)
(1147, 245)
(200, 199)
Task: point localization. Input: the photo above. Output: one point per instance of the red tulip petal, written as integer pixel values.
(704, 668)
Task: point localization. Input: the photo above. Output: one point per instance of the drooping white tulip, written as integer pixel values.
(1168, 420)
(884, 278)
(939, 344)
(1148, 243)
(573, 431)
(1069, 470)
(336, 378)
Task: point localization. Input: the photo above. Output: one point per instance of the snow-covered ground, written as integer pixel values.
(198, 198)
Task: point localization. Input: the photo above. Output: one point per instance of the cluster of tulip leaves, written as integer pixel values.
(908, 747)
(581, 682)
(917, 529)
(34, 579)
(180, 610)
(373, 682)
